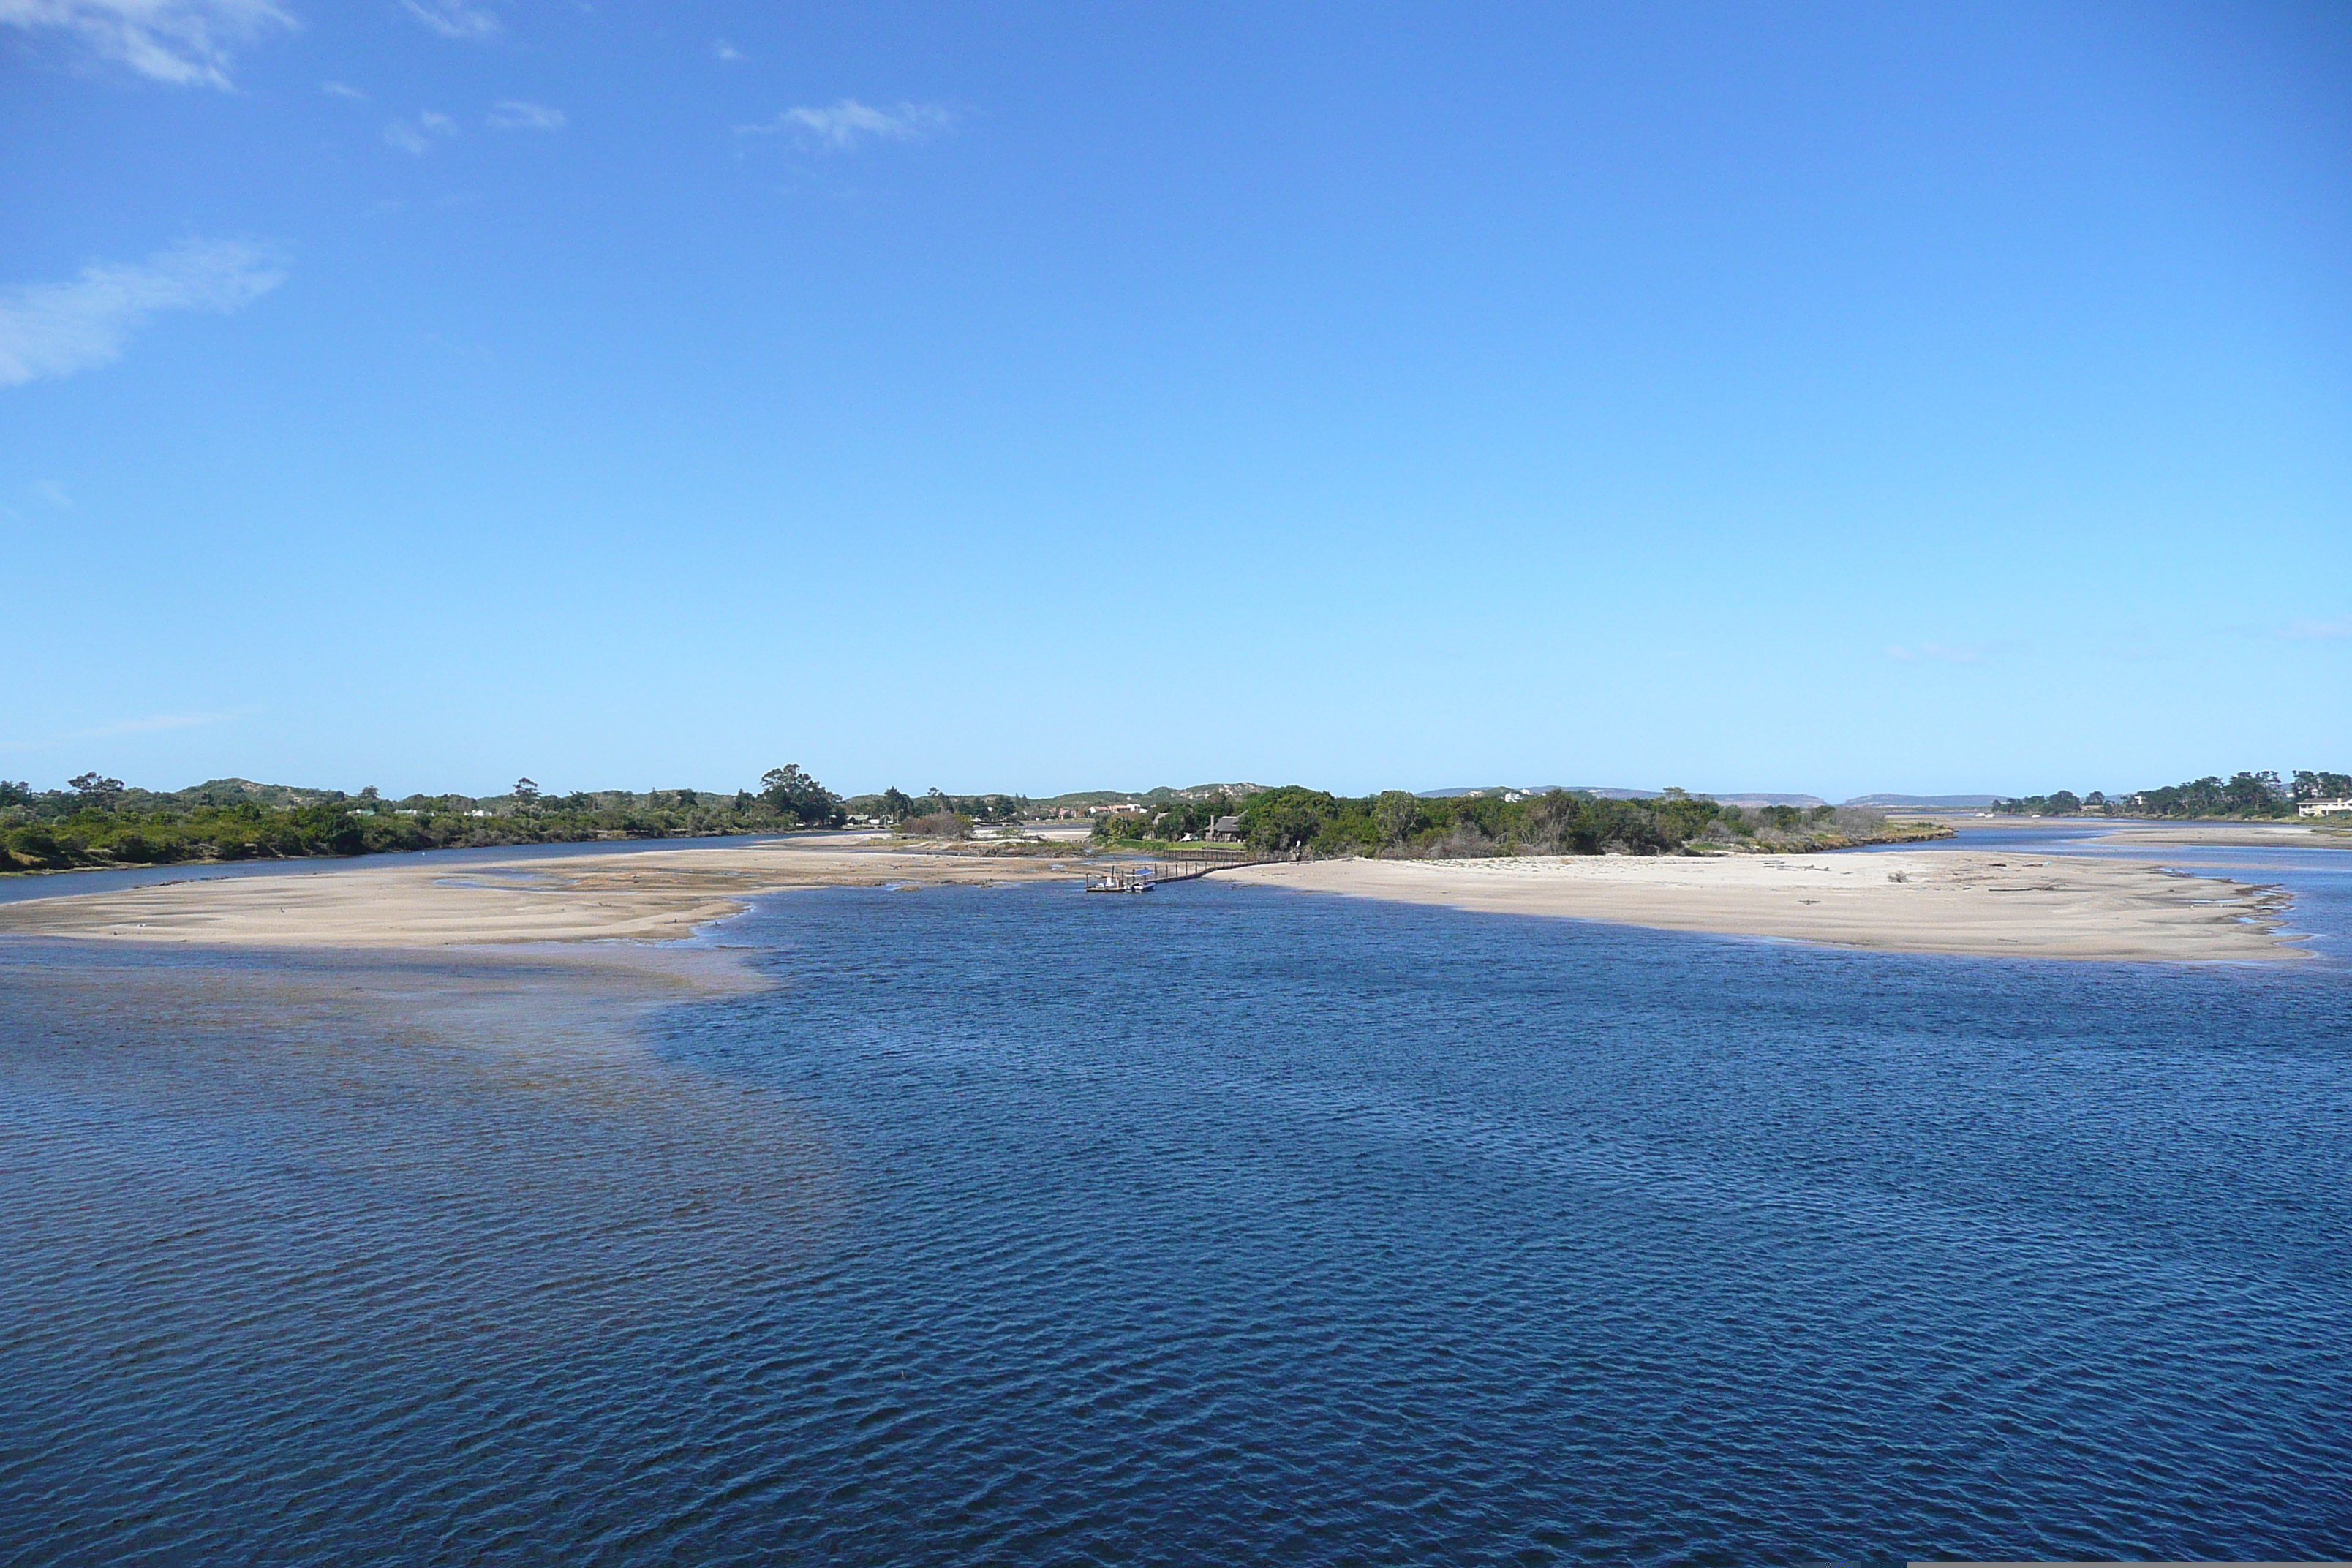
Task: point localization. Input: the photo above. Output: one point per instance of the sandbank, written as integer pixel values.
(2323, 833)
(2013, 904)
(628, 895)
(2017, 905)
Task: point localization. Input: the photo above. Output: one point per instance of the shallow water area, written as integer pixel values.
(2316, 878)
(1010, 1224)
(18, 887)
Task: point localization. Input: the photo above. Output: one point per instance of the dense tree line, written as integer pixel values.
(1295, 819)
(2251, 795)
(101, 822)
(896, 806)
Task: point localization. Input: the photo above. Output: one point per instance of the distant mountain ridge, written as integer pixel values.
(1927, 802)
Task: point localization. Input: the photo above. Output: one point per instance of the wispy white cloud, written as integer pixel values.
(515, 114)
(56, 328)
(181, 41)
(418, 135)
(2318, 631)
(1938, 652)
(845, 124)
(55, 494)
(146, 725)
(454, 18)
(341, 90)
(726, 52)
(151, 723)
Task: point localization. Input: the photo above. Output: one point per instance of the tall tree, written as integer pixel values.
(801, 797)
(97, 790)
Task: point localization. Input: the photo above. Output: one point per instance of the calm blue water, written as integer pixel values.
(1222, 1224)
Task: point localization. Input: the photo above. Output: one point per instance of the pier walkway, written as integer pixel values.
(1143, 873)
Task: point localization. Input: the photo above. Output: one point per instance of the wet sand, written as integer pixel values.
(2015, 904)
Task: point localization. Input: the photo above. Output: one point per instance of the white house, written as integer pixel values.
(2325, 808)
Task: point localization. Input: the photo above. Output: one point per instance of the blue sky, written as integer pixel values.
(423, 393)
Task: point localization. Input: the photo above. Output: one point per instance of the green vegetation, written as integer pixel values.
(1169, 819)
(2242, 797)
(1295, 819)
(897, 808)
(101, 822)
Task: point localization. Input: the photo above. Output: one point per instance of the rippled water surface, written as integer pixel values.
(1220, 1225)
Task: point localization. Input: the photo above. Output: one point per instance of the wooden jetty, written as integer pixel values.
(1144, 873)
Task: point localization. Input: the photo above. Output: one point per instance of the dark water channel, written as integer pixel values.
(1010, 1225)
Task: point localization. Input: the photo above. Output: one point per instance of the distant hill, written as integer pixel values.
(1929, 802)
(1157, 793)
(1607, 791)
(1613, 792)
(245, 791)
(1203, 792)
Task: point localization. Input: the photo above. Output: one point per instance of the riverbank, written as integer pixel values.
(1985, 903)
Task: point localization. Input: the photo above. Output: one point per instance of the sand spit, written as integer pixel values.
(2326, 833)
(1947, 900)
(636, 894)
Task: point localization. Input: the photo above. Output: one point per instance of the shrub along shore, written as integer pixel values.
(1397, 825)
(100, 822)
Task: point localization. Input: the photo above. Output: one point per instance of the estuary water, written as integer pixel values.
(1222, 1224)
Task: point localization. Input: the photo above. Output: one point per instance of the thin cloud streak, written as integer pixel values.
(844, 124)
(184, 42)
(147, 725)
(1938, 652)
(151, 723)
(56, 328)
(2318, 631)
(418, 135)
(515, 114)
(454, 18)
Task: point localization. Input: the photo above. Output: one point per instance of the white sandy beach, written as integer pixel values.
(1955, 900)
(1929, 900)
